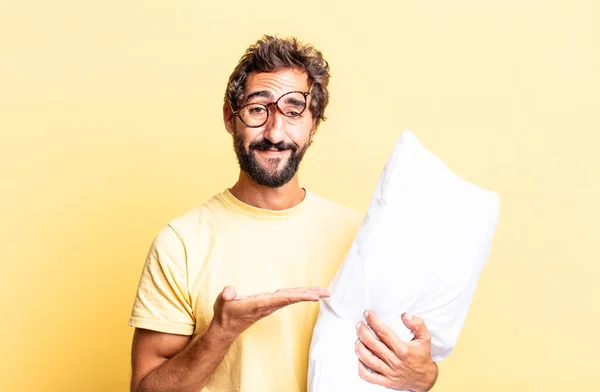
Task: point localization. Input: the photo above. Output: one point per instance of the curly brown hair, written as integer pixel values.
(270, 54)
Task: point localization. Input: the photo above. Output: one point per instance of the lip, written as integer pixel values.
(272, 152)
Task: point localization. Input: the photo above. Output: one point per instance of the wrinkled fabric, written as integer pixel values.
(420, 249)
(214, 245)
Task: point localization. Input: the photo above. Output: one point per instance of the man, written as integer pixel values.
(212, 309)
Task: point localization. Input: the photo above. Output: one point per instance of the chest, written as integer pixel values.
(260, 258)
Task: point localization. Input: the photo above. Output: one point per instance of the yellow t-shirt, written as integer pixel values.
(227, 242)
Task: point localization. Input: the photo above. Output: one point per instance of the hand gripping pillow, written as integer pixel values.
(420, 249)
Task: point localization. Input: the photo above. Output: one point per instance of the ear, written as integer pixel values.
(228, 119)
(313, 130)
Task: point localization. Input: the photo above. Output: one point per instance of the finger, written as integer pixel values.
(270, 302)
(417, 326)
(316, 290)
(267, 304)
(228, 293)
(290, 296)
(284, 293)
(324, 292)
(386, 335)
(376, 346)
(371, 376)
(371, 360)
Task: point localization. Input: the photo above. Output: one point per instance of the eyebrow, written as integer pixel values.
(293, 101)
(260, 93)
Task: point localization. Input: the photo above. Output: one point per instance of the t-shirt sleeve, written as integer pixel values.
(162, 302)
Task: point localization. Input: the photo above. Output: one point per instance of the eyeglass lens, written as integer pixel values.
(291, 105)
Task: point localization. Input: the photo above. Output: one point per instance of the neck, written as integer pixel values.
(282, 198)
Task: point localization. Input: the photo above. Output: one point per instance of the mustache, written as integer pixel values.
(266, 144)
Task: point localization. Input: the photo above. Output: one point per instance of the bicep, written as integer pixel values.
(151, 349)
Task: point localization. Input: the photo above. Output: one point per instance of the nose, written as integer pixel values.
(275, 127)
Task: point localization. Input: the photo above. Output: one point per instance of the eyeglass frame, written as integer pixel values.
(274, 103)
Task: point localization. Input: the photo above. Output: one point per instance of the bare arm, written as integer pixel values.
(166, 362)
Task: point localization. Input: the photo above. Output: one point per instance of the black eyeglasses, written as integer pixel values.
(291, 105)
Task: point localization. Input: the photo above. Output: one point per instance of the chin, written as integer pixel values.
(273, 165)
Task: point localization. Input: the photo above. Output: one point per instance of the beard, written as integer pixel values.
(260, 174)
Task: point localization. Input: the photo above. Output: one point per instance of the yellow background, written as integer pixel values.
(110, 125)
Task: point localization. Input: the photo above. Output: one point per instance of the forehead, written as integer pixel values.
(277, 82)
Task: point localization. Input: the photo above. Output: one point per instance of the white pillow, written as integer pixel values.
(420, 249)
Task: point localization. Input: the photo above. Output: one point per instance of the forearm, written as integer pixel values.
(190, 369)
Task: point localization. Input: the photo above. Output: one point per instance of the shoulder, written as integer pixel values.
(192, 223)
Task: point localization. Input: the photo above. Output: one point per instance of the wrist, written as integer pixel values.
(220, 334)
(430, 378)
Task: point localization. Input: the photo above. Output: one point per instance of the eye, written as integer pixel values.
(256, 110)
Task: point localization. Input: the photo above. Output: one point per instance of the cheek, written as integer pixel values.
(300, 135)
(246, 135)
(300, 140)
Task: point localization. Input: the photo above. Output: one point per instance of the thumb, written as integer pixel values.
(228, 293)
(417, 326)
